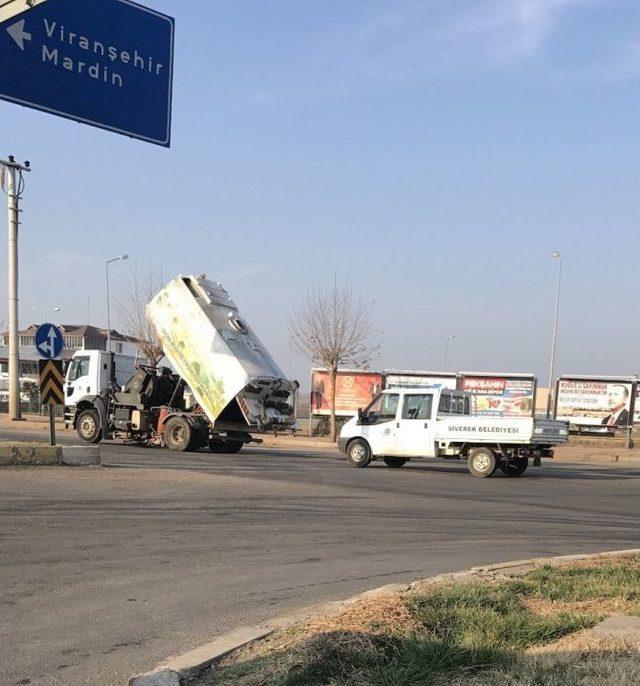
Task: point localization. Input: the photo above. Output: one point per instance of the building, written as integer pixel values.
(76, 337)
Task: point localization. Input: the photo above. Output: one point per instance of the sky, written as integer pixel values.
(431, 154)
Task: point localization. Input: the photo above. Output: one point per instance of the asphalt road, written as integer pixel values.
(106, 571)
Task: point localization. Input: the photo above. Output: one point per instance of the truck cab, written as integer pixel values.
(88, 375)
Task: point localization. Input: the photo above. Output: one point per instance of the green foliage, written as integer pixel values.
(470, 635)
(620, 580)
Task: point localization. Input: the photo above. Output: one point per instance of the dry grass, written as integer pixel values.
(524, 631)
(596, 606)
(386, 613)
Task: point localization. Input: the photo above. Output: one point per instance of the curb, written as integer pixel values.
(29, 454)
(79, 455)
(174, 670)
(19, 454)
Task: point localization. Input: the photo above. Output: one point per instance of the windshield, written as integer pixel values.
(382, 409)
(79, 367)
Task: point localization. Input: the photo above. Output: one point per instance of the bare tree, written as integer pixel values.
(140, 289)
(334, 328)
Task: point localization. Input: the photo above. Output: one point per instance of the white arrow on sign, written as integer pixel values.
(19, 35)
(51, 345)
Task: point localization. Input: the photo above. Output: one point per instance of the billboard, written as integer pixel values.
(636, 411)
(501, 395)
(393, 379)
(594, 401)
(354, 389)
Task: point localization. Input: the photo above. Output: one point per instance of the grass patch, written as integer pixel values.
(615, 580)
(465, 634)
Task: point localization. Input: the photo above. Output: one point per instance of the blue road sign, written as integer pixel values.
(108, 63)
(49, 341)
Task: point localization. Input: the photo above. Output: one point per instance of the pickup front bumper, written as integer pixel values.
(342, 444)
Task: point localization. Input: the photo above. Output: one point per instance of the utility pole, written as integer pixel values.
(13, 170)
(552, 362)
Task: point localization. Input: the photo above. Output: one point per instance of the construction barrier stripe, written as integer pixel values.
(51, 380)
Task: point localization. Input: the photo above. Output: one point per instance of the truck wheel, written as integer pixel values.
(359, 453)
(88, 426)
(481, 462)
(395, 462)
(515, 467)
(177, 434)
(225, 446)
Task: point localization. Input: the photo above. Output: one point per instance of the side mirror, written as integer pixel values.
(360, 416)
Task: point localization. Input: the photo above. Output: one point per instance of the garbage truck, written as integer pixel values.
(223, 387)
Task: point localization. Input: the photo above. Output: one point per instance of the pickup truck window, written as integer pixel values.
(417, 406)
(453, 404)
(383, 408)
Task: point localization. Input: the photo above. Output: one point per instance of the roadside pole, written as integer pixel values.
(552, 363)
(10, 167)
(52, 425)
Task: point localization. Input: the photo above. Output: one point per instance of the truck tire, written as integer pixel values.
(395, 462)
(515, 467)
(482, 462)
(359, 453)
(178, 434)
(228, 447)
(88, 426)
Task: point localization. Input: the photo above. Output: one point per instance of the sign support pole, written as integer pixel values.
(13, 194)
(52, 425)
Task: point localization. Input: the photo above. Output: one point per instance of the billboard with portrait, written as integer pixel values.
(354, 389)
(499, 395)
(594, 401)
(636, 411)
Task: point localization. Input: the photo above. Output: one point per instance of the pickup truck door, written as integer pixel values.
(415, 426)
(380, 429)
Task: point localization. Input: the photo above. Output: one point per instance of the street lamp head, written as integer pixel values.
(56, 309)
(555, 253)
(119, 258)
(452, 338)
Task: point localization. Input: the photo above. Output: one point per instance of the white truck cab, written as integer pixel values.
(403, 424)
(88, 374)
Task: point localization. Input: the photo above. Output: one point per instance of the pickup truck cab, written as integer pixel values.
(404, 424)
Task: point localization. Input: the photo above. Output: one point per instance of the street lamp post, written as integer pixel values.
(46, 312)
(446, 350)
(120, 258)
(552, 362)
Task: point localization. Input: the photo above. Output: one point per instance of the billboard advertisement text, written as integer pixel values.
(353, 390)
(418, 381)
(591, 402)
(501, 396)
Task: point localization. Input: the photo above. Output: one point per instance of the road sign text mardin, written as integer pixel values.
(94, 70)
(108, 63)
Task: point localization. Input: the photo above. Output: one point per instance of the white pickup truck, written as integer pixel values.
(403, 424)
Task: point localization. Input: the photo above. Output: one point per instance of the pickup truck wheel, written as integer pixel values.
(481, 462)
(395, 462)
(88, 426)
(177, 434)
(515, 467)
(359, 453)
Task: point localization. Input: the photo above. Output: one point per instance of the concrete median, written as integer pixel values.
(23, 454)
